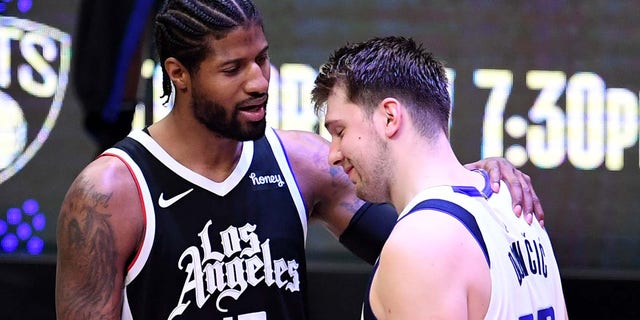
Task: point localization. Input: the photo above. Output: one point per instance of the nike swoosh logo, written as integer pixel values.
(164, 203)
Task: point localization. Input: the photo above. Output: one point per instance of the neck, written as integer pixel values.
(428, 164)
(196, 147)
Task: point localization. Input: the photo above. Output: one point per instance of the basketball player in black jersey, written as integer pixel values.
(203, 214)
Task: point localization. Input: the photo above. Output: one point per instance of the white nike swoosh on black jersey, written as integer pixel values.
(164, 203)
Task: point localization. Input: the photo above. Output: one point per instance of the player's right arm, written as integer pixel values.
(99, 228)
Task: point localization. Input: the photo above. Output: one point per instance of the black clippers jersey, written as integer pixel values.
(232, 250)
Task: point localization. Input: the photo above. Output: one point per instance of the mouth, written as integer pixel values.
(254, 110)
(347, 171)
(254, 103)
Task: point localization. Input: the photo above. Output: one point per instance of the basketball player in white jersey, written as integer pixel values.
(457, 251)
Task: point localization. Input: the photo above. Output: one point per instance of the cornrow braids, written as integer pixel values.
(182, 26)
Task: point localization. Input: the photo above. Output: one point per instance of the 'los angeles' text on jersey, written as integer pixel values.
(244, 262)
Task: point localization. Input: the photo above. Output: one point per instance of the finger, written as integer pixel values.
(495, 172)
(517, 209)
(527, 194)
(511, 177)
(474, 165)
(495, 186)
(535, 210)
(528, 217)
(537, 206)
(492, 167)
(515, 188)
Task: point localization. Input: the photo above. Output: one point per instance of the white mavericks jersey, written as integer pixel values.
(525, 280)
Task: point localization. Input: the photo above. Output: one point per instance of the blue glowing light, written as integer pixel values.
(14, 216)
(39, 221)
(24, 5)
(35, 245)
(24, 231)
(9, 243)
(19, 231)
(30, 206)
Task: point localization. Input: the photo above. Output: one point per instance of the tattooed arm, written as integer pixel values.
(99, 228)
(327, 192)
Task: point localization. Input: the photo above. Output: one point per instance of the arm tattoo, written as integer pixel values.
(352, 206)
(337, 176)
(90, 239)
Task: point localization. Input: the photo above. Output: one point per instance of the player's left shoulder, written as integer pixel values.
(434, 249)
(429, 234)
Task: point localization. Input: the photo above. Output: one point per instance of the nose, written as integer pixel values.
(258, 82)
(335, 155)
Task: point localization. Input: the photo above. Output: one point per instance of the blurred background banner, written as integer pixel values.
(552, 86)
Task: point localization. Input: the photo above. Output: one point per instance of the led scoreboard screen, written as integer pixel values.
(552, 87)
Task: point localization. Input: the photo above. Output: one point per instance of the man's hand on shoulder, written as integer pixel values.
(524, 198)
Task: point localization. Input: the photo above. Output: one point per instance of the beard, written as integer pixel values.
(373, 173)
(216, 118)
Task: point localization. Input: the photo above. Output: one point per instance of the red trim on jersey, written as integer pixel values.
(144, 211)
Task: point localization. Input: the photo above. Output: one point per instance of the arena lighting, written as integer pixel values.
(20, 227)
(22, 5)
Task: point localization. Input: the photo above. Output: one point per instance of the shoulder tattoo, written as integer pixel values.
(88, 235)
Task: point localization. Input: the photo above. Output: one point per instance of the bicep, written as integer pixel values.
(97, 232)
(328, 193)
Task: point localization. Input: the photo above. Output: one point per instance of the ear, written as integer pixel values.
(391, 110)
(178, 74)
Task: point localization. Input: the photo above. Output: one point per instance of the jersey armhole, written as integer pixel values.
(147, 209)
(458, 212)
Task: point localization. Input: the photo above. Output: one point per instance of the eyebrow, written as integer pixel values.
(238, 60)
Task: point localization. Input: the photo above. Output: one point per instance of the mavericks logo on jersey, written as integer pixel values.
(243, 262)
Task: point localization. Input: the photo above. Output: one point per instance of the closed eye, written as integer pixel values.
(231, 70)
(334, 127)
(337, 132)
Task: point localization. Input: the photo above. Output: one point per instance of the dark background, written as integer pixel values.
(590, 204)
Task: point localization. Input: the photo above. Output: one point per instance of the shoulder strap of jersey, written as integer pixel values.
(458, 212)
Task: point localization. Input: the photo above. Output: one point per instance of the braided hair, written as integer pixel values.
(182, 26)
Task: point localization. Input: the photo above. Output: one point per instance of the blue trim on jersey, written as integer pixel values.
(458, 212)
(292, 172)
(128, 47)
(488, 192)
(472, 191)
